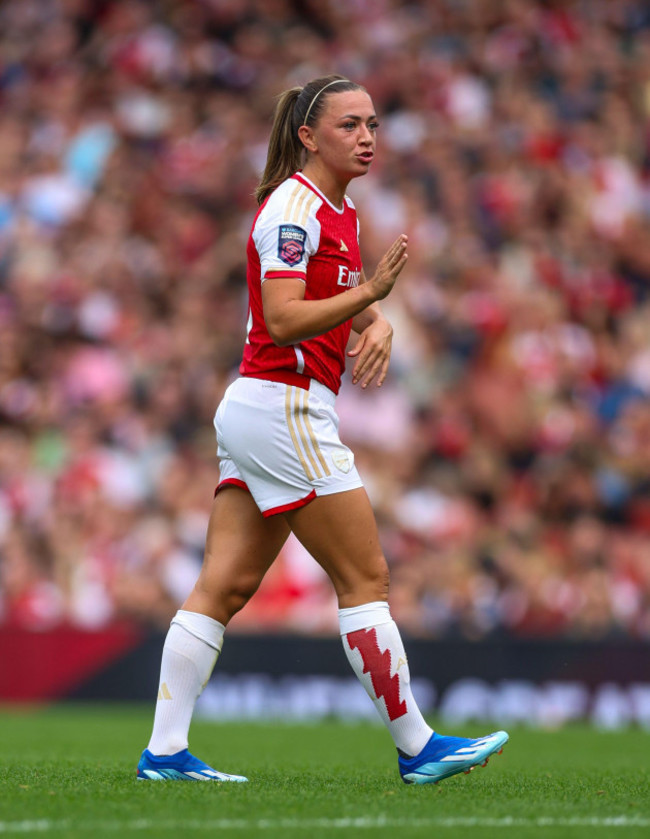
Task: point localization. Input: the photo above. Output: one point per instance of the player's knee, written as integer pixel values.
(238, 593)
(226, 593)
(366, 584)
(381, 581)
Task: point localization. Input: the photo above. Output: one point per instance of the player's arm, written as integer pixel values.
(373, 347)
(290, 318)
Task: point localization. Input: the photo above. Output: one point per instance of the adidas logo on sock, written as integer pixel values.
(164, 693)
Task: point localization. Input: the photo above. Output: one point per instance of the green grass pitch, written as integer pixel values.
(69, 771)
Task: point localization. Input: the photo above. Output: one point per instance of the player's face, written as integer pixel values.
(345, 133)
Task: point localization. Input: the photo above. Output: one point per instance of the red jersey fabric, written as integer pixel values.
(298, 233)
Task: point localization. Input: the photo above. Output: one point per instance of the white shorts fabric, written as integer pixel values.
(281, 442)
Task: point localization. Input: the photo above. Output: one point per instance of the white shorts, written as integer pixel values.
(281, 442)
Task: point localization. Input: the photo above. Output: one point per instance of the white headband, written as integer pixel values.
(311, 104)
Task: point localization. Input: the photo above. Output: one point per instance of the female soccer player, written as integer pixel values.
(283, 467)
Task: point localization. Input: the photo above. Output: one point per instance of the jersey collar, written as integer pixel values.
(340, 210)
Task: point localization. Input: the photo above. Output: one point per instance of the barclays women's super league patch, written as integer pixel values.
(291, 243)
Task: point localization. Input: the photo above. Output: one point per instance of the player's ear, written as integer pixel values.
(307, 138)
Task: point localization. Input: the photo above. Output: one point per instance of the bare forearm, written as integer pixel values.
(300, 319)
(291, 319)
(371, 314)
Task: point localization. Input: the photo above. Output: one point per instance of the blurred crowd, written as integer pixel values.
(508, 454)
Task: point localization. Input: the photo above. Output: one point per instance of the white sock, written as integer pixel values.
(191, 649)
(375, 651)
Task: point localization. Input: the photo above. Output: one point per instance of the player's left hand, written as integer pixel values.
(372, 351)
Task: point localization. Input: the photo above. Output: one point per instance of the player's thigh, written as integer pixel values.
(340, 532)
(240, 547)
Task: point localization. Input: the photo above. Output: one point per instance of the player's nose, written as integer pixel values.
(366, 137)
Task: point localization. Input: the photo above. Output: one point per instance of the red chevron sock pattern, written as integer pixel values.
(378, 664)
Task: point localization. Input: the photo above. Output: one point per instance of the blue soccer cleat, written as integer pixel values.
(181, 766)
(443, 757)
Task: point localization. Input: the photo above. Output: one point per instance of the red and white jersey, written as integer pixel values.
(298, 233)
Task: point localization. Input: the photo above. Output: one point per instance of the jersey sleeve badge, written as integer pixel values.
(291, 243)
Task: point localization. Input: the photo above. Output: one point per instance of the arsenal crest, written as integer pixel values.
(342, 461)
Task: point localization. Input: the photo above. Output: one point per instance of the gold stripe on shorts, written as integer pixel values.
(289, 412)
(310, 431)
(302, 433)
(300, 409)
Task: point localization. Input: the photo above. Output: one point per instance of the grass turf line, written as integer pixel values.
(70, 771)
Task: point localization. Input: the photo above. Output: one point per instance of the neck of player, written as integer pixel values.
(332, 187)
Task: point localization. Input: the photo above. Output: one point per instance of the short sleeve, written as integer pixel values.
(285, 240)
